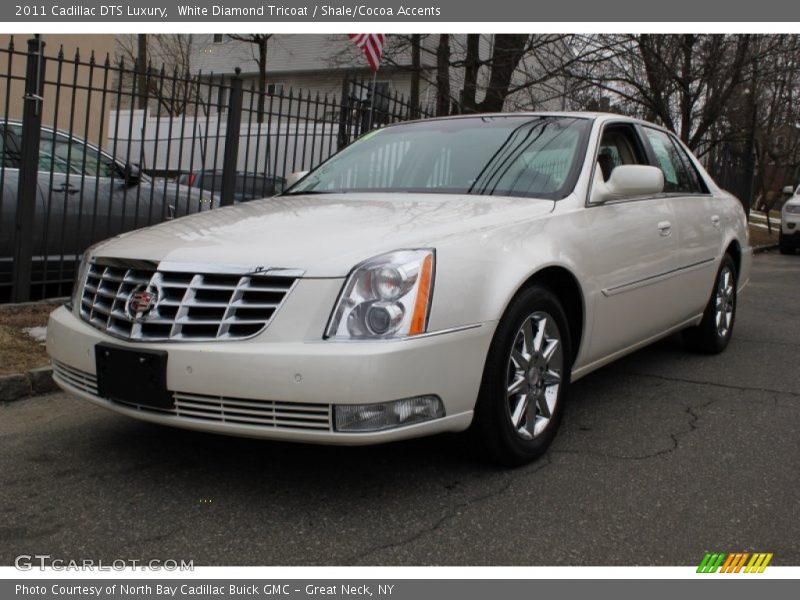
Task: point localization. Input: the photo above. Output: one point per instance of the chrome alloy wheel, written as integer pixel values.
(725, 301)
(535, 366)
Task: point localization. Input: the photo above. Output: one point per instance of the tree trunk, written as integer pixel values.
(472, 63)
(686, 105)
(415, 75)
(508, 51)
(443, 76)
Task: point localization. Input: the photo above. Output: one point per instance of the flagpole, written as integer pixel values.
(372, 98)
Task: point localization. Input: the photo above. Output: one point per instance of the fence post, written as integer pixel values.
(344, 114)
(29, 170)
(230, 158)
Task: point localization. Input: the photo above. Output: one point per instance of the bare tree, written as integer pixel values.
(683, 81)
(166, 76)
(765, 115)
(519, 71)
(260, 45)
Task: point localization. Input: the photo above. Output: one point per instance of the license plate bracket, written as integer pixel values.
(133, 376)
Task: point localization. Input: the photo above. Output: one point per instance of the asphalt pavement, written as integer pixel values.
(662, 456)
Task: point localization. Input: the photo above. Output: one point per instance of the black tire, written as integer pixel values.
(783, 246)
(503, 442)
(709, 337)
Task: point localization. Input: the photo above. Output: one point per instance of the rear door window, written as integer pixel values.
(697, 182)
(676, 177)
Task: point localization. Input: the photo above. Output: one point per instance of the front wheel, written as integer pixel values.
(527, 372)
(784, 246)
(714, 332)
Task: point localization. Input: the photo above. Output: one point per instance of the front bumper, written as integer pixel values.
(790, 225)
(790, 230)
(266, 379)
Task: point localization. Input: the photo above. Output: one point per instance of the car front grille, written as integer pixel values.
(186, 305)
(85, 382)
(220, 409)
(254, 412)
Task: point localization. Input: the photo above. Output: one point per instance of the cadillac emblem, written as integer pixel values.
(140, 303)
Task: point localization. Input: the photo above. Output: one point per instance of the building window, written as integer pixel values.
(381, 101)
(361, 90)
(275, 89)
(217, 38)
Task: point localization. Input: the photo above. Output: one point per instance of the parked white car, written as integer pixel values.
(789, 239)
(433, 276)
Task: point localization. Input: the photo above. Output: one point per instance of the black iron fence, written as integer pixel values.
(92, 148)
(732, 171)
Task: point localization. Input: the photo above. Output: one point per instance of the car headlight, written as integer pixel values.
(388, 296)
(77, 287)
(792, 208)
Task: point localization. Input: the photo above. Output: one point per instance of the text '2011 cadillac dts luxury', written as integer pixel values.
(433, 276)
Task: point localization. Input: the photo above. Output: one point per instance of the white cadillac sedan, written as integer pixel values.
(433, 276)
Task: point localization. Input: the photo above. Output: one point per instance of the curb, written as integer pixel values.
(764, 248)
(25, 385)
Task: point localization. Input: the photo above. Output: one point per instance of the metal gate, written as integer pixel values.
(92, 148)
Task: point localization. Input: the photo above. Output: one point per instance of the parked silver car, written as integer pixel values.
(83, 195)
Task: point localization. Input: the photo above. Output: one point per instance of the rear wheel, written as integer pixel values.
(714, 332)
(527, 372)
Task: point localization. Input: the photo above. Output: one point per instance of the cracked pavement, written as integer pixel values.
(662, 456)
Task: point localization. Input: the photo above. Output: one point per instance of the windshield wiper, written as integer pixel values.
(310, 192)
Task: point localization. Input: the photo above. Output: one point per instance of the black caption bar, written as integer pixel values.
(398, 589)
(401, 11)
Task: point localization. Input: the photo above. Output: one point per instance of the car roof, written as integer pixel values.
(593, 116)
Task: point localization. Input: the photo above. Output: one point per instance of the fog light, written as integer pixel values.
(377, 417)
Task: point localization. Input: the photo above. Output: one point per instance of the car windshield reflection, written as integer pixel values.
(499, 155)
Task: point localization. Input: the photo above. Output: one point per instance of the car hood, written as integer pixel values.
(794, 201)
(325, 235)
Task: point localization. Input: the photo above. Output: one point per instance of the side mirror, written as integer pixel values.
(789, 190)
(627, 181)
(294, 178)
(133, 175)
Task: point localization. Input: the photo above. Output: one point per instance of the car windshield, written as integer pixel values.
(500, 155)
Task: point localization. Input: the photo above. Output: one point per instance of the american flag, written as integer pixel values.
(371, 45)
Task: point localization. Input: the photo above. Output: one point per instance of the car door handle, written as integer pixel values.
(665, 228)
(66, 188)
(715, 221)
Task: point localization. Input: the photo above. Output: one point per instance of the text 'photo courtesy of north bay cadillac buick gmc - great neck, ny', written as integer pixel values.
(433, 276)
